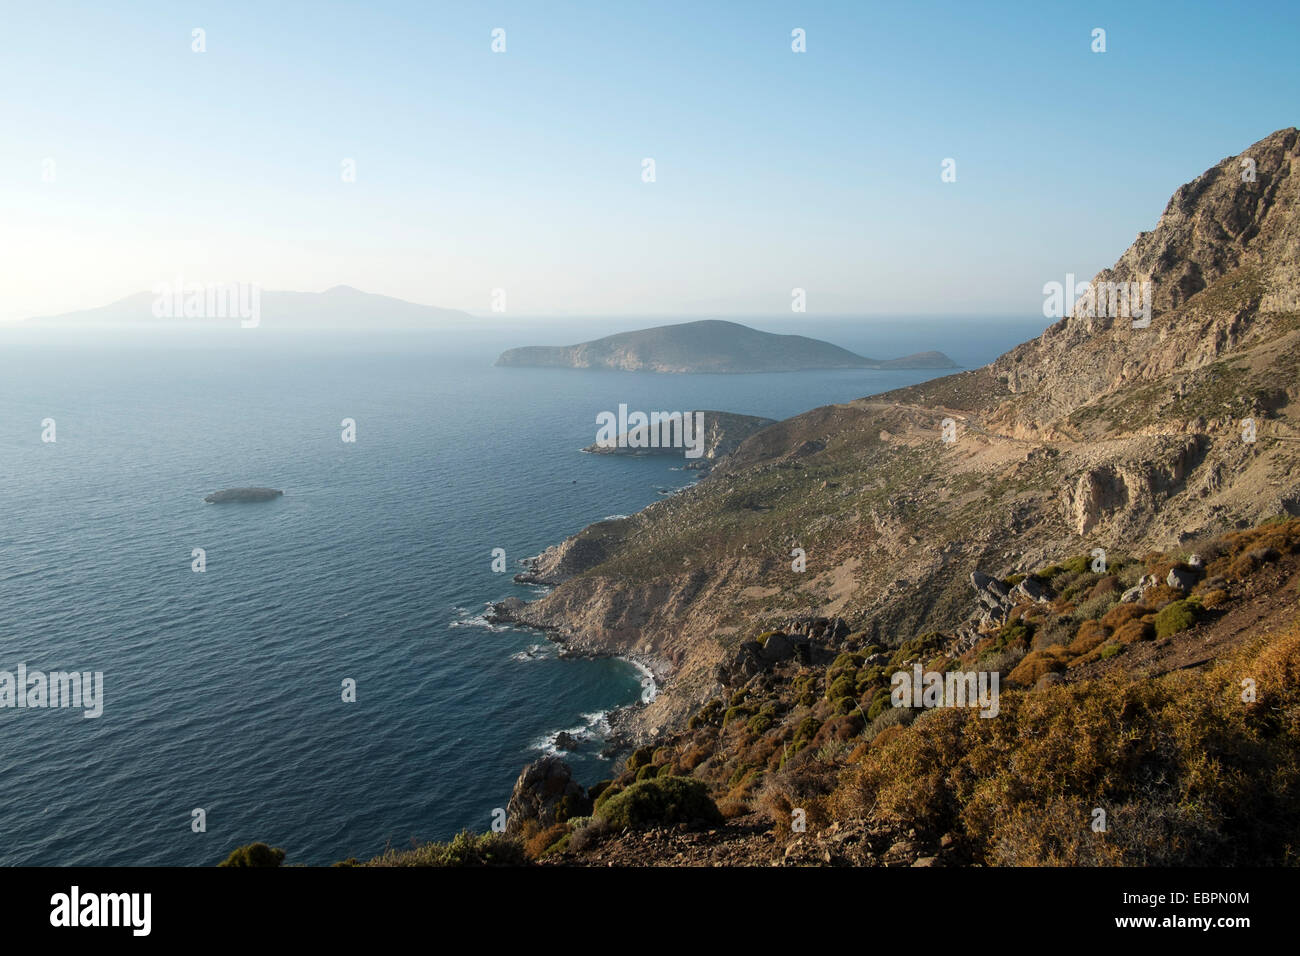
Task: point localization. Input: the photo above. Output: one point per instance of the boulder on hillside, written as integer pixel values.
(1182, 579)
(545, 792)
(992, 593)
(778, 648)
(1034, 589)
(1139, 590)
(747, 662)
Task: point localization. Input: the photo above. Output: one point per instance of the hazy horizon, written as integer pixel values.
(303, 147)
(662, 318)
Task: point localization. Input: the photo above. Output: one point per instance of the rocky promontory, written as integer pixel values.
(722, 432)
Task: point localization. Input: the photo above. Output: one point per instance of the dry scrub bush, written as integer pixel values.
(1123, 613)
(1090, 634)
(541, 841)
(1131, 631)
(1038, 663)
(805, 782)
(1188, 774)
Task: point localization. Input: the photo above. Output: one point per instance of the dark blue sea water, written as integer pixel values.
(223, 688)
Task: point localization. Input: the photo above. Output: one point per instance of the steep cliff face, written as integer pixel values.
(1223, 265)
(1095, 434)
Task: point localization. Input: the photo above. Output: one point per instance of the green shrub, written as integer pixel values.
(571, 806)
(1176, 617)
(916, 647)
(843, 687)
(844, 705)
(736, 713)
(1077, 564)
(660, 801)
(807, 729)
(254, 854)
(1014, 634)
(607, 794)
(465, 849)
(878, 703)
(1094, 606)
(639, 758)
(706, 716)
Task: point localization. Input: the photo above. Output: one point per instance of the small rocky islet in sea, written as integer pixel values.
(242, 495)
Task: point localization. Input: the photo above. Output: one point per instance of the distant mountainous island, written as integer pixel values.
(710, 345)
(340, 307)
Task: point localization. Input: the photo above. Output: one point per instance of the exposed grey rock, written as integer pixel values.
(1135, 593)
(967, 635)
(539, 791)
(992, 593)
(1035, 590)
(748, 662)
(778, 648)
(1181, 579)
(506, 611)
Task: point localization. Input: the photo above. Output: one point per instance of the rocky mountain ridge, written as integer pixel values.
(1094, 435)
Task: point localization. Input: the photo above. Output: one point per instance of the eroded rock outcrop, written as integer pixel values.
(544, 792)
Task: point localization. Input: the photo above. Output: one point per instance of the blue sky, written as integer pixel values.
(522, 170)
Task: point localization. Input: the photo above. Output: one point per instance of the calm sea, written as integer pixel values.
(223, 688)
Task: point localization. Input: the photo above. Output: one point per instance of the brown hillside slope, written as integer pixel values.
(1094, 435)
(1161, 691)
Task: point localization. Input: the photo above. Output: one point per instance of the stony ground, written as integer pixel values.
(752, 840)
(1270, 600)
